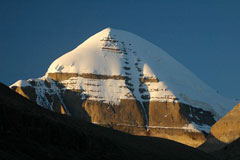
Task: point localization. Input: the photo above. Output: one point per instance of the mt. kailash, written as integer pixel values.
(119, 80)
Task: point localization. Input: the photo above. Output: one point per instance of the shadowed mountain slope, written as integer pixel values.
(229, 152)
(29, 132)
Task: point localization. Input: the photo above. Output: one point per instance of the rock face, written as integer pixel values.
(119, 80)
(227, 129)
(224, 131)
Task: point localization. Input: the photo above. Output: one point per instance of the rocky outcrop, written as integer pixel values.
(227, 129)
(224, 131)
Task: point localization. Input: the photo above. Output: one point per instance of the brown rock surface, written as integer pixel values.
(224, 131)
(128, 112)
(65, 76)
(227, 129)
(168, 120)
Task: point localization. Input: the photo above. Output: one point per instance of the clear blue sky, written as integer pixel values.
(204, 35)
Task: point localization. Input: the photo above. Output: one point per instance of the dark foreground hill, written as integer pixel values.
(29, 132)
(229, 152)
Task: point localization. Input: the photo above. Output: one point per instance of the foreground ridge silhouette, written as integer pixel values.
(29, 132)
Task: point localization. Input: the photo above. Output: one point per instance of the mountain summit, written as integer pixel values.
(119, 80)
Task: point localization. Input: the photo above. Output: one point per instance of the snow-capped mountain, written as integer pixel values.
(117, 79)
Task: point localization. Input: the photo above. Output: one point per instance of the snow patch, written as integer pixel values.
(147, 72)
(21, 83)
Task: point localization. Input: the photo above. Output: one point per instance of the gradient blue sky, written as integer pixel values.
(203, 35)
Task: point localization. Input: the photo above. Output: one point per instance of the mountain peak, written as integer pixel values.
(117, 78)
(92, 56)
(112, 52)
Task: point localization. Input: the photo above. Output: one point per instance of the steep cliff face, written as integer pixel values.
(117, 79)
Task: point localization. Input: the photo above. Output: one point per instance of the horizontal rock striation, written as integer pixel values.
(170, 120)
